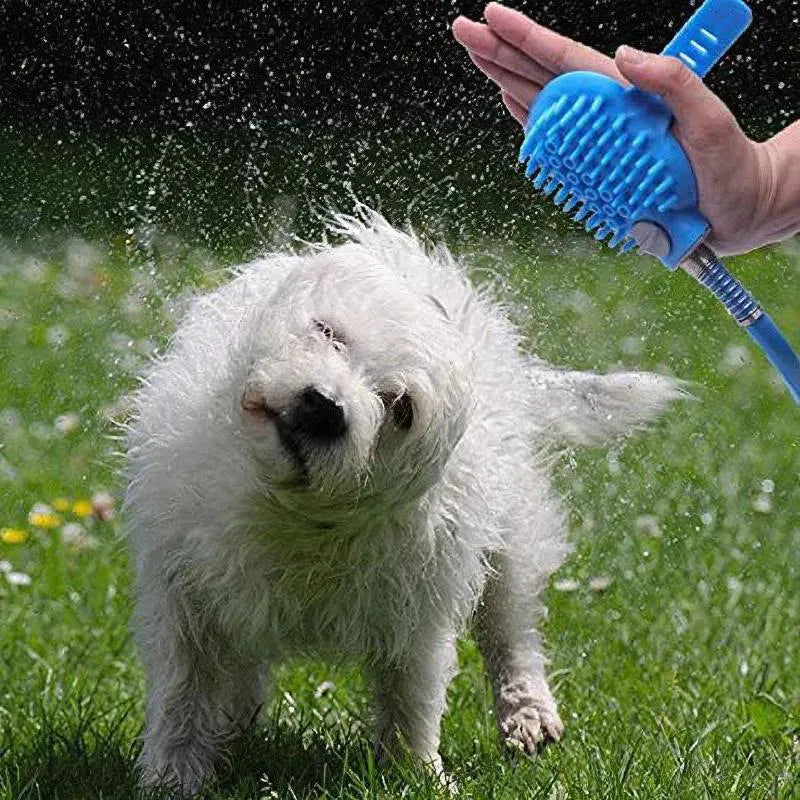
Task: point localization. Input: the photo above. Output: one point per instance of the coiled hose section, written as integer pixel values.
(704, 265)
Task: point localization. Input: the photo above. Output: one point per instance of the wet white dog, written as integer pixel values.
(344, 452)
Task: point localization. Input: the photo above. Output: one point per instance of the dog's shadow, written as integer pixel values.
(286, 760)
(270, 760)
(316, 740)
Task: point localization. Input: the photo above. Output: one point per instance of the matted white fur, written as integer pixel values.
(345, 452)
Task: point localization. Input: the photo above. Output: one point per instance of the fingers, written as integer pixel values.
(522, 90)
(519, 112)
(704, 120)
(521, 57)
(549, 49)
(480, 40)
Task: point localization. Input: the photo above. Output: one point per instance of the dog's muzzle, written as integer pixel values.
(314, 420)
(318, 416)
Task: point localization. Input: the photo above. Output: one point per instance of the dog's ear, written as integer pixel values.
(439, 306)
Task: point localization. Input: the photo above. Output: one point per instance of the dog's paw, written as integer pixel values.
(447, 786)
(528, 728)
(180, 779)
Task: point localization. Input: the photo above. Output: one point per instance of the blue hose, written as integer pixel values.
(709, 270)
(766, 335)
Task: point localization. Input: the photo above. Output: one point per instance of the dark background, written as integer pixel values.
(223, 64)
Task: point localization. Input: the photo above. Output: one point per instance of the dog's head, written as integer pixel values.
(358, 383)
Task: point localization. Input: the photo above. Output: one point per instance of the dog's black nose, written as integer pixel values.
(319, 415)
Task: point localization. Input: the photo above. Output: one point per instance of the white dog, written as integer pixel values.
(345, 452)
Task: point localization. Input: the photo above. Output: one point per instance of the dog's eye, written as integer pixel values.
(328, 332)
(401, 407)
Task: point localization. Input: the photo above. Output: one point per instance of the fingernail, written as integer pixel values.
(631, 54)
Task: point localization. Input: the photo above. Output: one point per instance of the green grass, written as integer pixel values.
(680, 680)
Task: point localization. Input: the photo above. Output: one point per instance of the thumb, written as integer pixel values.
(702, 117)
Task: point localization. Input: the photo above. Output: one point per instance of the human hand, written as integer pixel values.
(738, 179)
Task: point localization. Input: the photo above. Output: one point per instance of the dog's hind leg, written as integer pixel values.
(527, 714)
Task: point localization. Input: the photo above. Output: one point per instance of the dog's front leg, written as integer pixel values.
(201, 693)
(527, 715)
(411, 695)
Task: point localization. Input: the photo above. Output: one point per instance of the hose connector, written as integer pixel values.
(703, 265)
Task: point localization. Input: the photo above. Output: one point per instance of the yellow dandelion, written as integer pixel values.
(44, 519)
(62, 504)
(82, 508)
(13, 535)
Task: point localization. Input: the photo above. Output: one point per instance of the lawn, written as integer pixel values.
(672, 628)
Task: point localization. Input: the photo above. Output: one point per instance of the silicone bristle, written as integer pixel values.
(597, 104)
(532, 141)
(596, 150)
(580, 124)
(532, 167)
(561, 195)
(664, 185)
(528, 146)
(551, 185)
(577, 155)
(643, 190)
(622, 165)
(541, 178)
(602, 232)
(635, 174)
(538, 154)
(670, 203)
(569, 114)
(617, 238)
(593, 221)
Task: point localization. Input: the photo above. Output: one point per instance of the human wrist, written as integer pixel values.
(780, 195)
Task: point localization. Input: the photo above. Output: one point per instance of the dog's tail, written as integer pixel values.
(583, 408)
